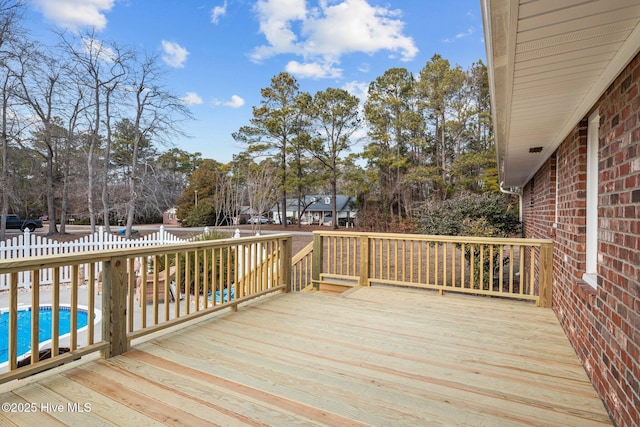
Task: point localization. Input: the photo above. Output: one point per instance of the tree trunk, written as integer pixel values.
(107, 160)
(283, 213)
(51, 200)
(443, 149)
(131, 206)
(5, 159)
(334, 210)
(65, 186)
(90, 161)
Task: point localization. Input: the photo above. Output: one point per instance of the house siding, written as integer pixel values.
(603, 324)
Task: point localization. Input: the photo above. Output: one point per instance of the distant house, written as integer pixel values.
(318, 210)
(565, 90)
(169, 217)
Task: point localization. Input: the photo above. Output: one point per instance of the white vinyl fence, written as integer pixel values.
(30, 245)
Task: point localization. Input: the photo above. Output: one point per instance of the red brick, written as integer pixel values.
(603, 328)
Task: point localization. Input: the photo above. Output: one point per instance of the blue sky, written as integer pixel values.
(219, 53)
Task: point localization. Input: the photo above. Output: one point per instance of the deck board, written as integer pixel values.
(377, 356)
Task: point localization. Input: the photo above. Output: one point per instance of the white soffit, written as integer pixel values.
(549, 62)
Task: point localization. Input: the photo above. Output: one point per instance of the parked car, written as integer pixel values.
(277, 221)
(258, 220)
(15, 222)
(327, 220)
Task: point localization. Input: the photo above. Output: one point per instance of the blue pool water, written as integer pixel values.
(44, 333)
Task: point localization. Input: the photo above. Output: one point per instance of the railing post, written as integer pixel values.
(546, 275)
(316, 260)
(285, 263)
(114, 306)
(13, 321)
(365, 261)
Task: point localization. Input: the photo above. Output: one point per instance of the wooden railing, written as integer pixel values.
(139, 291)
(143, 290)
(30, 244)
(511, 268)
(301, 269)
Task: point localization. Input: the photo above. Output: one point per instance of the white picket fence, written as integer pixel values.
(29, 245)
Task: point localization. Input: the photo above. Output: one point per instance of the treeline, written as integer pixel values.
(416, 139)
(81, 126)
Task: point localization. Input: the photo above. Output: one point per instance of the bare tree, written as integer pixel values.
(99, 68)
(223, 198)
(7, 90)
(10, 15)
(41, 88)
(106, 205)
(157, 113)
(70, 137)
(261, 186)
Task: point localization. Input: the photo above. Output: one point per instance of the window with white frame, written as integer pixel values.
(591, 262)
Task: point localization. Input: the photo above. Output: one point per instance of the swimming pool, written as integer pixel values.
(44, 333)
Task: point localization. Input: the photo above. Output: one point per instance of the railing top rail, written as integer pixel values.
(439, 238)
(48, 261)
(302, 253)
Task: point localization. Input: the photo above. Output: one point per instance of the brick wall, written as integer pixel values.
(538, 202)
(602, 324)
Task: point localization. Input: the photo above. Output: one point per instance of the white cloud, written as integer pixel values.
(192, 98)
(314, 70)
(174, 54)
(275, 18)
(218, 11)
(96, 49)
(356, 26)
(234, 102)
(358, 89)
(469, 32)
(74, 14)
(322, 35)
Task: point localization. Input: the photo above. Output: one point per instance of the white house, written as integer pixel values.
(318, 209)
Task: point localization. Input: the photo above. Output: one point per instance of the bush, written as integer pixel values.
(448, 217)
(198, 216)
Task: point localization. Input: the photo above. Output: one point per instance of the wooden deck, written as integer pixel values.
(376, 356)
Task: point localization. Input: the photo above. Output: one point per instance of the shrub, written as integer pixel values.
(448, 217)
(198, 216)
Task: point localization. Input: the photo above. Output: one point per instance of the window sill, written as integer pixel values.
(585, 291)
(591, 280)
